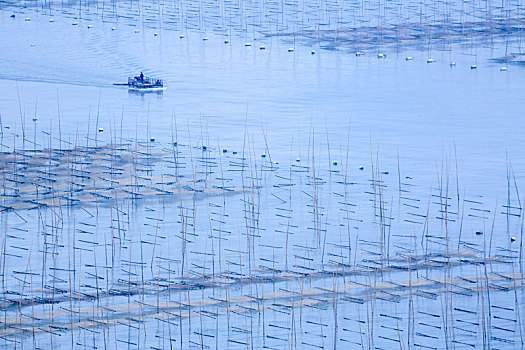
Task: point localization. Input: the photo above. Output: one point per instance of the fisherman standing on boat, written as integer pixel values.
(141, 77)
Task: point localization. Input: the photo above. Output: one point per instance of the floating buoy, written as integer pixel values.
(473, 66)
(430, 60)
(262, 47)
(291, 49)
(263, 155)
(203, 147)
(513, 239)
(479, 232)
(100, 129)
(409, 58)
(313, 52)
(155, 34)
(361, 167)
(181, 36)
(27, 19)
(247, 44)
(335, 163)
(74, 23)
(298, 159)
(175, 143)
(359, 53)
(381, 55)
(90, 26)
(452, 64)
(152, 139)
(503, 69)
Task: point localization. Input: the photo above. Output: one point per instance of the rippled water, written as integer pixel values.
(398, 103)
(446, 140)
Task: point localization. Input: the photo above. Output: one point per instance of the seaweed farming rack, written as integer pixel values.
(157, 245)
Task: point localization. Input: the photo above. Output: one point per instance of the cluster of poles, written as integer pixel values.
(138, 243)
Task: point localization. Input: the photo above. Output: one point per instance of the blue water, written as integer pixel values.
(435, 120)
(398, 104)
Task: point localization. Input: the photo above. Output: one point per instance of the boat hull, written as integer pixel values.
(147, 89)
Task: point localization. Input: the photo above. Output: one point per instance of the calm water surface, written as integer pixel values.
(309, 103)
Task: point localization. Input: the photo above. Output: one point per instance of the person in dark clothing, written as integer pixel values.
(141, 77)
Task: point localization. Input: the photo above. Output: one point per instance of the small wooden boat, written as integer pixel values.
(143, 83)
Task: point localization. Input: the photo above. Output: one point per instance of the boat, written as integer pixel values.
(143, 83)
